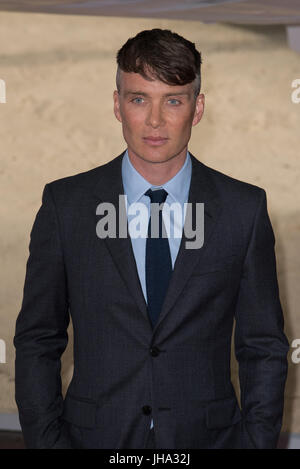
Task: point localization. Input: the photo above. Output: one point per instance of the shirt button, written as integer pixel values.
(154, 351)
(147, 409)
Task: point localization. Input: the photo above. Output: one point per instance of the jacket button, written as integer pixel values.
(147, 409)
(154, 351)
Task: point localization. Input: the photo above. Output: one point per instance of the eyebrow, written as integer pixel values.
(142, 93)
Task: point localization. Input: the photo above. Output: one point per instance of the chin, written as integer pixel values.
(151, 156)
(156, 158)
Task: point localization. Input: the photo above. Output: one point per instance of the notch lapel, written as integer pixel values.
(107, 189)
(202, 190)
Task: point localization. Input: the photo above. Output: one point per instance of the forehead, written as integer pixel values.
(134, 82)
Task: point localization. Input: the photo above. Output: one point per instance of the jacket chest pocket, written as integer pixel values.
(222, 264)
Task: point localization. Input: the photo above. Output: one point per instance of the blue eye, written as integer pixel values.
(174, 101)
(137, 100)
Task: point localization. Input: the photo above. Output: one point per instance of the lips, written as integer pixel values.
(155, 140)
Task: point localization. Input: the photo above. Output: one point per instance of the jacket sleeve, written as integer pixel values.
(261, 346)
(41, 333)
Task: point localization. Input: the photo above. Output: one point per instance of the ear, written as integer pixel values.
(117, 112)
(199, 109)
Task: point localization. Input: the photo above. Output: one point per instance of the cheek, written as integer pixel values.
(181, 121)
(132, 122)
(181, 127)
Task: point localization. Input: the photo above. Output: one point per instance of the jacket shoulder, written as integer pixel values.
(222, 179)
(240, 199)
(79, 184)
(232, 189)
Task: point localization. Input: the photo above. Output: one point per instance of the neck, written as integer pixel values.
(158, 173)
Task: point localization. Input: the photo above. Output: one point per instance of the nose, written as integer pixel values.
(155, 116)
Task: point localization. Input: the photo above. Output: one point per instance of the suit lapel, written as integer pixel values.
(202, 190)
(108, 188)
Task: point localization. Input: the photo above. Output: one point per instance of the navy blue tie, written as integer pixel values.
(158, 261)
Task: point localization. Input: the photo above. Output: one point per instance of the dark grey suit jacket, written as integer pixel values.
(125, 372)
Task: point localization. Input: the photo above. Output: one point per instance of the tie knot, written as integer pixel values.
(158, 196)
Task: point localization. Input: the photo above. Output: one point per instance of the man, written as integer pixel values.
(152, 315)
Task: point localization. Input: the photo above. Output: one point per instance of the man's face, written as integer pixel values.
(156, 118)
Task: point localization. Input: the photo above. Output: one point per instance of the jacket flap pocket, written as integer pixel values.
(80, 412)
(223, 413)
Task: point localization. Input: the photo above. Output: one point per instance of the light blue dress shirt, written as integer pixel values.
(135, 187)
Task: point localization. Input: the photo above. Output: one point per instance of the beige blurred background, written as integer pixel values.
(58, 120)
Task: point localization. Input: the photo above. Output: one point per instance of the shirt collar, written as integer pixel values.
(135, 185)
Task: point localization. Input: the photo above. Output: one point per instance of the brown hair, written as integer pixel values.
(163, 55)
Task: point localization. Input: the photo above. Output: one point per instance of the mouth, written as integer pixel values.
(155, 141)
